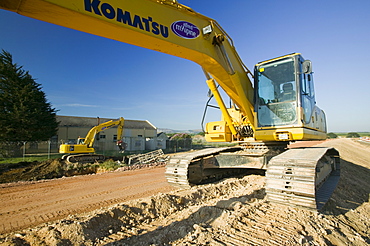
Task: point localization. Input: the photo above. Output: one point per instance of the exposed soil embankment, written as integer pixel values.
(31, 171)
(58, 168)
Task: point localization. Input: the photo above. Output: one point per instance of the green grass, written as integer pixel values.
(109, 165)
(110, 153)
(28, 158)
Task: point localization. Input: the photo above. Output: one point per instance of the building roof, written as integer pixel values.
(91, 121)
(162, 135)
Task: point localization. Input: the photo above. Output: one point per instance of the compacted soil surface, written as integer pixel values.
(233, 211)
(25, 204)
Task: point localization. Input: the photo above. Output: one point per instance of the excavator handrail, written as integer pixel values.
(234, 49)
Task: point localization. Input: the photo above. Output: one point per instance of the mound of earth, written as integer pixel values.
(231, 212)
(58, 168)
(31, 171)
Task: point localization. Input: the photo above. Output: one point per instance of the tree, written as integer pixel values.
(180, 141)
(332, 135)
(25, 114)
(352, 135)
(181, 136)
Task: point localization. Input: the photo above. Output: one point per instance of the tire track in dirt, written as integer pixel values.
(78, 200)
(34, 203)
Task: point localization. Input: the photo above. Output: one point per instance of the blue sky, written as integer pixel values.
(86, 75)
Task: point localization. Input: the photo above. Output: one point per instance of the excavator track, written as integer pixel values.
(303, 177)
(83, 158)
(177, 168)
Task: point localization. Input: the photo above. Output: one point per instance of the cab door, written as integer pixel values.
(313, 117)
(307, 97)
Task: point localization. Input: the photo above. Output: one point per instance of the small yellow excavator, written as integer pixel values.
(83, 151)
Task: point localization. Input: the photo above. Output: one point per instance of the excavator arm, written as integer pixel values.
(162, 25)
(90, 137)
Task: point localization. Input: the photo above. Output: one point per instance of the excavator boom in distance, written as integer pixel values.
(265, 115)
(83, 151)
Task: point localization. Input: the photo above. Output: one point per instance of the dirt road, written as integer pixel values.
(27, 204)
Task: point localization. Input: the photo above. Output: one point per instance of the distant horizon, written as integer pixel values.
(174, 129)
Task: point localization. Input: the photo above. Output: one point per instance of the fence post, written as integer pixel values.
(24, 149)
(49, 147)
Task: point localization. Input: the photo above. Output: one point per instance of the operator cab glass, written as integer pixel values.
(80, 140)
(276, 93)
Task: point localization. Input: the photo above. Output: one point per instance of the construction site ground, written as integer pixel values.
(138, 207)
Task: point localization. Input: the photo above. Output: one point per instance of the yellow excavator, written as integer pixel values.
(264, 117)
(83, 151)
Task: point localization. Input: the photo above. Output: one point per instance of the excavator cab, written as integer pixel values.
(285, 101)
(80, 140)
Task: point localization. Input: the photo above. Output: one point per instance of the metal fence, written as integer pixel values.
(19, 149)
(178, 145)
(22, 149)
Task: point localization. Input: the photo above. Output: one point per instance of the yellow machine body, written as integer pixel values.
(75, 148)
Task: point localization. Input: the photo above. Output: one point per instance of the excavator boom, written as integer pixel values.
(162, 25)
(90, 137)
